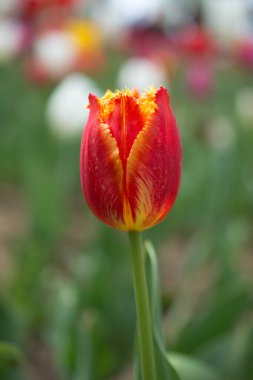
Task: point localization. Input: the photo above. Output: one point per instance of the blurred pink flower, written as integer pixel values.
(244, 52)
(200, 79)
(145, 40)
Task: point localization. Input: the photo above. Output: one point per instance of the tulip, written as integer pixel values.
(131, 158)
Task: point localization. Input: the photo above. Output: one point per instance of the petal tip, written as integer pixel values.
(162, 90)
(93, 100)
(163, 94)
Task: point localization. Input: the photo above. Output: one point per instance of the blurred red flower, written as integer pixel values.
(195, 41)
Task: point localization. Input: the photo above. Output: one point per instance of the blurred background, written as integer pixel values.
(66, 299)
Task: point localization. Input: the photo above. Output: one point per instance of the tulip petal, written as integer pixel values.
(154, 167)
(131, 158)
(125, 123)
(101, 168)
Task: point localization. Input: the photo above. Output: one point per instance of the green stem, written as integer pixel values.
(142, 306)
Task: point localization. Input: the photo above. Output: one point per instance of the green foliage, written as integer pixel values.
(10, 359)
(69, 282)
(164, 369)
(173, 366)
(190, 369)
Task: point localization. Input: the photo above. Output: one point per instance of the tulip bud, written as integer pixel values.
(131, 158)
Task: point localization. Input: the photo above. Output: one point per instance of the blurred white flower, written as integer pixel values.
(244, 104)
(66, 110)
(111, 25)
(250, 16)
(226, 18)
(55, 51)
(11, 39)
(141, 73)
(122, 14)
(220, 133)
(175, 14)
(8, 6)
(134, 11)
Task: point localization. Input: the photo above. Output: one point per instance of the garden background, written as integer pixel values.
(66, 297)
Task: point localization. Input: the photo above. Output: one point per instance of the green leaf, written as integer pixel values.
(10, 355)
(164, 369)
(228, 301)
(191, 369)
(172, 366)
(83, 370)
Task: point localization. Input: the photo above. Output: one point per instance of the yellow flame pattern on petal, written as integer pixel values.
(114, 161)
(136, 171)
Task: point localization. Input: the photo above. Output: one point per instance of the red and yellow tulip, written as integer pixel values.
(131, 158)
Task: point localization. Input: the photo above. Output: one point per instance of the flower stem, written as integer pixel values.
(144, 326)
